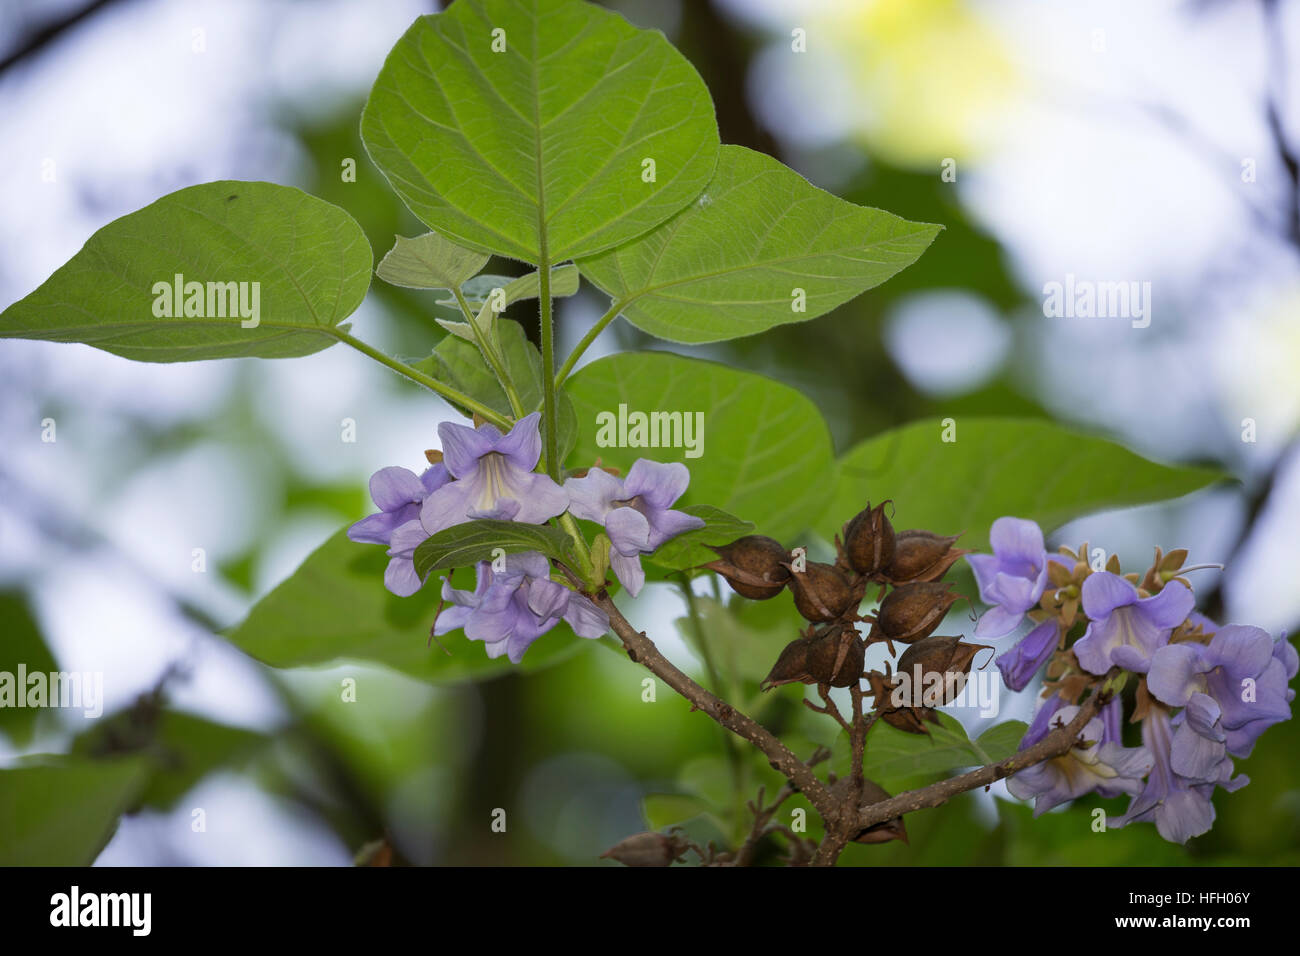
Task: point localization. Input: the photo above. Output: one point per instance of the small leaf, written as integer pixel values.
(688, 550)
(1002, 741)
(429, 262)
(464, 545)
(894, 754)
(304, 263)
(564, 282)
(457, 362)
(760, 247)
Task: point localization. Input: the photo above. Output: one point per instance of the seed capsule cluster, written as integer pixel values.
(906, 566)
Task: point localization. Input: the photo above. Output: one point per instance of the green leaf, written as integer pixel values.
(765, 453)
(459, 363)
(62, 812)
(688, 550)
(304, 261)
(894, 754)
(429, 262)
(733, 262)
(1028, 468)
(663, 810)
(539, 146)
(22, 644)
(464, 545)
(1002, 741)
(564, 282)
(335, 608)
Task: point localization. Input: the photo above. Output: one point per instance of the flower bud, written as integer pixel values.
(821, 593)
(922, 556)
(868, 543)
(912, 611)
(753, 566)
(646, 849)
(938, 663)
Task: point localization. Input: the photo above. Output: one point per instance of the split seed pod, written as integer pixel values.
(868, 543)
(913, 611)
(938, 667)
(647, 849)
(832, 655)
(754, 566)
(922, 556)
(820, 592)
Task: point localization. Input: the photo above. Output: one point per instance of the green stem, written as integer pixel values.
(490, 356)
(588, 569)
(446, 391)
(567, 368)
(548, 362)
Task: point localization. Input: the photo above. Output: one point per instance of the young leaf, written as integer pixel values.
(688, 550)
(760, 247)
(564, 282)
(274, 270)
(528, 126)
(1028, 468)
(457, 362)
(1002, 741)
(754, 447)
(429, 262)
(464, 545)
(334, 607)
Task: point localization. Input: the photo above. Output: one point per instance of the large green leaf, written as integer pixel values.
(539, 146)
(731, 263)
(62, 812)
(335, 608)
(1028, 468)
(894, 755)
(307, 261)
(765, 455)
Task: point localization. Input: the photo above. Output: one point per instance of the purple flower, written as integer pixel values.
(1232, 689)
(399, 494)
(494, 477)
(1124, 628)
(1107, 766)
(636, 512)
(511, 608)
(1013, 577)
(1179, 807)
(1021, 663)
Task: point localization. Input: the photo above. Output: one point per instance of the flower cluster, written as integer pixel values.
(481, 473)
(1204, 694)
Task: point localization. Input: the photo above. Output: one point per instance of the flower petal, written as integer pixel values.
(659, 483)
(1017, 539)
(1103, 592)
(463, 446)
(592, 496)
(628, 530)
(522, 446)
(393, 487)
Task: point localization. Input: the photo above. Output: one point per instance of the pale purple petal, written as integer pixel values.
(522, 446)
(463, 446)
(628, 570)
(628, 530)
(659, 483)
(592, 497)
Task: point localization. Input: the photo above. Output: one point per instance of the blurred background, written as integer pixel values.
(1110, 141)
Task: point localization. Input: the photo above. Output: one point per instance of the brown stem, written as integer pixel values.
(643, 650)
(1057, 742)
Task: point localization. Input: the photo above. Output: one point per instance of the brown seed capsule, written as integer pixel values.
(754, 566)
(922, 556)
(913, 611)
(835, 656)
(820, 592)
(646, 849)
(791, 666)
(937, 668)
(868, 543)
